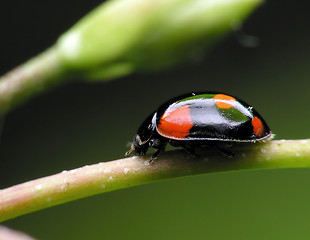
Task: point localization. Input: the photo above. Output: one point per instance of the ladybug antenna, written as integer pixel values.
(130, 151)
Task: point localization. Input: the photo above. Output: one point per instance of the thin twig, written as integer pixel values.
(30, 78)
(10, 234)
(124, 173)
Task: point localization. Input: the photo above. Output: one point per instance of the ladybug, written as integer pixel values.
(199, 119)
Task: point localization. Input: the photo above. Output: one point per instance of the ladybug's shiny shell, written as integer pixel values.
(198, 119)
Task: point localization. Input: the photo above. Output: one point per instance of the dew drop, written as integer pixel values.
(108, 170)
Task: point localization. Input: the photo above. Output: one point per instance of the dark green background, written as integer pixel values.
(83, 123)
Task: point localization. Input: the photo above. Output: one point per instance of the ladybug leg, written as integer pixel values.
(160, 145)
(223, 149)
(191, 150)
(188, 148)
(159, 150)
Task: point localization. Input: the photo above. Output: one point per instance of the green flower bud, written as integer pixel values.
(122, 36)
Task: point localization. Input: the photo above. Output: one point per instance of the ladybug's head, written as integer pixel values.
(138, 146)
(144, 134)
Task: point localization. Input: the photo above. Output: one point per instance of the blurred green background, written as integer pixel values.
(85, 123)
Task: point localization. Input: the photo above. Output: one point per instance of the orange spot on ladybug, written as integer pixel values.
(224, 101)
(176, 123)
(258, 127)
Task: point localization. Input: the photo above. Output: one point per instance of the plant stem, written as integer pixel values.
(10, 234)
(30, 78)
(124, 173)
(123, 36)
